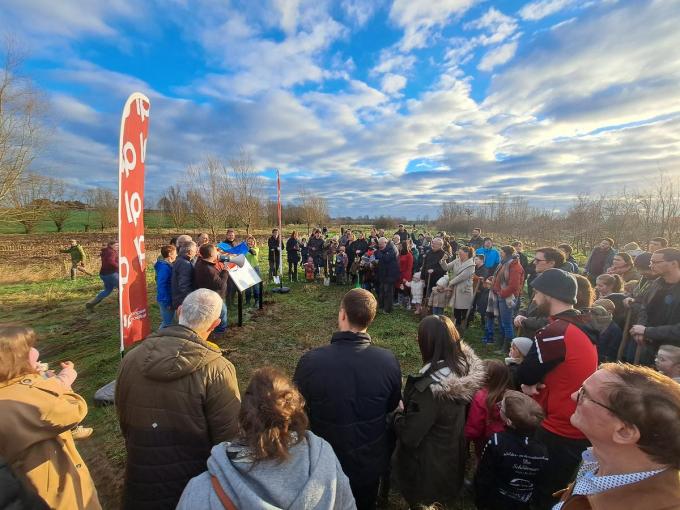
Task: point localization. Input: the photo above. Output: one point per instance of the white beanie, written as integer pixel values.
(523, 344)
(416, 275)
(443, 281)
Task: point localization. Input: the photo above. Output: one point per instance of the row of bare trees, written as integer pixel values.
(626, 215)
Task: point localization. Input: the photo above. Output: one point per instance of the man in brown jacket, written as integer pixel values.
(631, 415)
(209, 275)
(176, 397)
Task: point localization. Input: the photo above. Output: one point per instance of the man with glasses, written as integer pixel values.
(631, 415)
(658, 319)
(562, 357)
(530, 320)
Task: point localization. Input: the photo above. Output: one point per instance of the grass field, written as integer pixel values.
(286, 327)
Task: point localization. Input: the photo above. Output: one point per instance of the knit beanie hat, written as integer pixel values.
(443, 281)
(523, 344)
(557, 284)
(642, 260)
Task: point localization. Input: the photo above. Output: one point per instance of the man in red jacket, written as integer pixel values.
(108, 273)
(562, 357)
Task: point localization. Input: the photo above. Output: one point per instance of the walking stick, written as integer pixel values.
(626, 337)
(426, 293)
(638, 353)
(475, 288)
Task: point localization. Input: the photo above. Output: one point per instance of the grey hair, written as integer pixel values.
(183, 240)
(200, 309)
(382, 240)
(438, 240)
(186, 248)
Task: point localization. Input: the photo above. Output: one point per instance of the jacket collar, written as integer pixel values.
(349, 336)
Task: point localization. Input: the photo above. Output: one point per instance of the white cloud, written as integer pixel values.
(497, 56)
(539, 9)
(393, 83)
(360, 11)
(419, 18)
(498, 25)
(391, 61)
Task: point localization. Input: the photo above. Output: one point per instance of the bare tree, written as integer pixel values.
(176, 205)
(60, 208)
(20, 108)
(210, 195)
(101, 203)
(30, 201)
(314, 208)
(247, 189)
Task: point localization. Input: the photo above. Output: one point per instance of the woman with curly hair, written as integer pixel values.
(275, 462)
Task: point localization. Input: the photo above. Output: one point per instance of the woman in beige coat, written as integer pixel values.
(38, 413)
(463, 269)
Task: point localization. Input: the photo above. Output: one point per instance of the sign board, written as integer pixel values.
(243, 277)
(134, 128)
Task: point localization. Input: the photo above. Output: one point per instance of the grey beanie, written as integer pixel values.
(523, 344)
(557, 284)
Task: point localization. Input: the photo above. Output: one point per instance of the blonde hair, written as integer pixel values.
(15, 344)
(673, 352)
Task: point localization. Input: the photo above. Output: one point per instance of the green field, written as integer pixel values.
(287, 327)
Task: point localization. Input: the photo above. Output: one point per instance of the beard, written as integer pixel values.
(543, 308)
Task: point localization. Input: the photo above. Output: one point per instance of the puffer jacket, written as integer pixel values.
(163, 282)
(35, 439)
(176, 398)
(429, 461)
(182, 280)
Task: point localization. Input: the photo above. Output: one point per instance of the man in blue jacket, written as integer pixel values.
(350, 386)
(491, 255)
(163, 269)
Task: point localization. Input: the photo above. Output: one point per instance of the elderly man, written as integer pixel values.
(182, 282)
(631, 415)
(431, 269)
(388, 273)
(176, 397)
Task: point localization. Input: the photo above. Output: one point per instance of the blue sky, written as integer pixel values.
(384, 107)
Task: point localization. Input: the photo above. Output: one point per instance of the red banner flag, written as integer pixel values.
(134, 317)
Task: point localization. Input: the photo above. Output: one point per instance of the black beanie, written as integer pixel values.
(642, 260)
(557, 284)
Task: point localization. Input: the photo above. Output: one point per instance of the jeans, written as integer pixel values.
(167, 315)
(110, 283)
(437, 310)
(505, 317)
(222, 326)
(254, 290)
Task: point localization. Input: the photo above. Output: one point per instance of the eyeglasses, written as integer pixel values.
(540, 260)
(581, 394)
(652, 262)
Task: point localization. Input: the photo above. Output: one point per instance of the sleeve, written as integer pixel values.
(409, 264)
(533, 368)
(222, 404)
(514, 283)
(82, 253)
(185, 279)
(415, 422)
(586, 268)
(660, 335)
(395, 395)
(462, 276)
(476, 421)
(60, 408)
(485, 478)
(534, 323)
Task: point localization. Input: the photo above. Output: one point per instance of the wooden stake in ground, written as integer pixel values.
(626, 337)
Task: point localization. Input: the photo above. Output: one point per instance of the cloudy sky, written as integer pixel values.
(389, 106)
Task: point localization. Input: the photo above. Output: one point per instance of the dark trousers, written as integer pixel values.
(564, 456)
(385, 296)
(292, 270)
(459, 315)
(365, 494)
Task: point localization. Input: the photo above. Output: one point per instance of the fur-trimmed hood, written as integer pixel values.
(446, 384)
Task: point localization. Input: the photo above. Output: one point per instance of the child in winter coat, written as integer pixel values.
(439, 297)
(367, 270)
(304, 251)
(341, 262)
(309, 269)
(513, 460)
(417, 286)
(519, 348)
(484, 417)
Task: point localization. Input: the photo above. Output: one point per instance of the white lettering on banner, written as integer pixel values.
(129, 164)
(142, 111)
(140, 251)
(142, 145)
(133, 207)
(123, 275)
(138, 314)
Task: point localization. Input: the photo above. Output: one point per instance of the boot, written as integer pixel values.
(92, 303)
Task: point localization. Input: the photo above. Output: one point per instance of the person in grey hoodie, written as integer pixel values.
(275, 462)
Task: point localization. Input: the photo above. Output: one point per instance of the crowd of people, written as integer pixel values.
(584, 412)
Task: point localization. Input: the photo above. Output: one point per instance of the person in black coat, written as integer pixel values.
(350, 387)
(182, 281)
(274, 253)
(315, 250)
(14, 495)
(293, 248)
(388, 273)
(431, 269)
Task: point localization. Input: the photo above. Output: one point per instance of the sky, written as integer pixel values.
(384, 107)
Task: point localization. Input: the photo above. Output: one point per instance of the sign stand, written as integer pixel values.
(280, 289)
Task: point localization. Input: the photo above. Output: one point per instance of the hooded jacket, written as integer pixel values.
(350, 386)
(311, 478)
(35, 439)
(176, 397)
(163, 282)
(429, 461)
